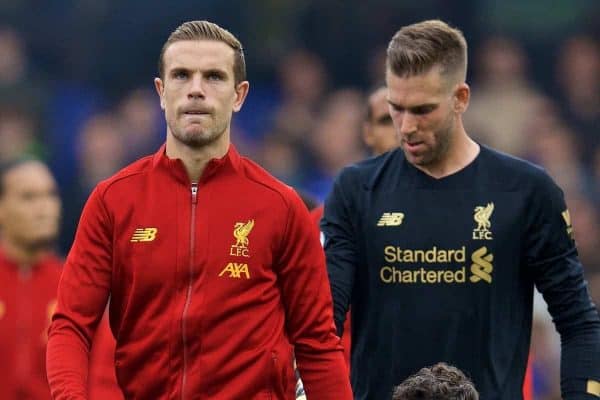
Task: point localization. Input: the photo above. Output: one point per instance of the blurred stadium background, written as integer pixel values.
(76, 89)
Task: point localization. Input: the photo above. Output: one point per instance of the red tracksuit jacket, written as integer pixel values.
(209, 284)
(27, 300)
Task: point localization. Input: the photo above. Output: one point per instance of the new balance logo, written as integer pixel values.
(391, 219)
(236, 270)
(144, 235)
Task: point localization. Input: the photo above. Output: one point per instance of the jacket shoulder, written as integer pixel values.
(136, 168)
(259, 176)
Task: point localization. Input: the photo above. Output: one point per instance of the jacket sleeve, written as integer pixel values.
(82, 295)
(552, 259)
(306, 297)
(340, 247)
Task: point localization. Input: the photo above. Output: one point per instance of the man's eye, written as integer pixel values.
(423, 110)
(180, 75)
(384, 120)
(215, 77)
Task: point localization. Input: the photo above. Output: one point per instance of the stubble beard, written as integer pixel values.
(200, 136)
(443, 141)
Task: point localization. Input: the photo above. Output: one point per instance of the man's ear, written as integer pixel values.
(462, 95)
(159, 85)
(241, 91)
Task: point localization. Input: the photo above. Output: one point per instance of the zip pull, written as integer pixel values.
(194, 192)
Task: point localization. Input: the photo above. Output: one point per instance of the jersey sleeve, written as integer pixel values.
(551, 257)
(82, 296)
(340, 245)
(306, 297)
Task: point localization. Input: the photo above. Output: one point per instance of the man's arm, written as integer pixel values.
(552, 258)
(302, 277)
(82, 295)
(340, 249)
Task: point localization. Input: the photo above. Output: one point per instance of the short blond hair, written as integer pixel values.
(417, 48)
(205, 30)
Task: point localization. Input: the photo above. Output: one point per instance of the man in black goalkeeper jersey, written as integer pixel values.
(437, 246)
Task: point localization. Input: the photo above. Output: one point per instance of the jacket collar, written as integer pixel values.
(229, 163)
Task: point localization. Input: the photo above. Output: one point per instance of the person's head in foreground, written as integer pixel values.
(439, 382)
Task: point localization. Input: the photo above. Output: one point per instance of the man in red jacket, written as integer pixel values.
(214, 271)
(29, 275)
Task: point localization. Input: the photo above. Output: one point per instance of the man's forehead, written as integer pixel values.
(198, 53)
(378, 98)
(32, 173)
(415, 90)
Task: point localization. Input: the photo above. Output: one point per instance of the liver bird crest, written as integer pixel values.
(482, 216)
(241, 232)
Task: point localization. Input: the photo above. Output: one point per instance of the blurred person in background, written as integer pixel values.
(578, 78)
(379, 136)
(214, 273)
(437, 246)
(141, 122)
(280, 156)
(29, 274)
(101, 151)
(495, 118)
(438, 382)
(17, 134)
(378, 130)
(303, 82)
(556, 150)
(335, 141)
(19, 87)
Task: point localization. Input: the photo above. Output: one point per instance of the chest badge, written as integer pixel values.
(482, 215)
(241, 231)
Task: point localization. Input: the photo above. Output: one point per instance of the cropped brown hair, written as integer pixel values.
(417, 48)
(204, 30)
(439, 382)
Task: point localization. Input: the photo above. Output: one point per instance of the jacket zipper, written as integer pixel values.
(188, 297)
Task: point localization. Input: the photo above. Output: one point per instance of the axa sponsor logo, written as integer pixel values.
(236, 271)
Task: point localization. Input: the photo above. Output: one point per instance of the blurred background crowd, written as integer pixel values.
(76, 90)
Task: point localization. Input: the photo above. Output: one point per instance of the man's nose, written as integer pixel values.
(196, 88)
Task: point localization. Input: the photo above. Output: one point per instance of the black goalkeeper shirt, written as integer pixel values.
(444, 270)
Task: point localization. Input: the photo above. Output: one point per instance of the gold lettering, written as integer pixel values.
(242, 269)
(419, 256)
(390, 254)
(407, 256)
(397, 275)
(229, 268)
(407, 277)
(460, 255)
(448, 276)
(430, 255)
(460, 276)
(431, 276)
(445, 256)
(386, 271)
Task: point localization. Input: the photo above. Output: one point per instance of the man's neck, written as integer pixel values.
(23, 256)
(195, 159)
(461, 152)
